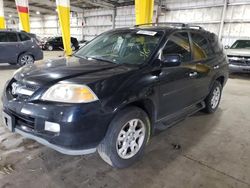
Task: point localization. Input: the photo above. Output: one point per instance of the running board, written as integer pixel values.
(173, 119)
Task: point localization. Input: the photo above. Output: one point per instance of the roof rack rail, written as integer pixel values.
(172, 24)
(194, 26)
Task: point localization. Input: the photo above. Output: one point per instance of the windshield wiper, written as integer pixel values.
(100, 59)
(77, 56)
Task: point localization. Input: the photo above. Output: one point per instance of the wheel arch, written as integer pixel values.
(25, 52)
(148, 106)
(221, 79)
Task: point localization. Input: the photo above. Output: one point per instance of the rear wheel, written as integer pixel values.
(213, 99)
(126, 138)
(25, 59)
(73, 47)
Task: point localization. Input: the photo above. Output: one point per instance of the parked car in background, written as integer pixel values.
(19, 48)
(239, 56)
(57, 43)
(114, 92)
(82, 43)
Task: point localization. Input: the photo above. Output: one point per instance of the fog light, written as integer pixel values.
(52, 127)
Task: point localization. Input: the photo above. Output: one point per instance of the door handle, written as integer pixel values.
(193, 74)
(216, 66)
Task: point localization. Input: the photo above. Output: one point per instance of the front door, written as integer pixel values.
(3, 41)
(10, 47)
(177, 83)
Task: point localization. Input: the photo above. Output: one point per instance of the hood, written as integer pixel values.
(238, 52)
(53, 71)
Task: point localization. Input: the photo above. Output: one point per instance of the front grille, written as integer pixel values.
(26, 121)
(239, 60)
(15, 92)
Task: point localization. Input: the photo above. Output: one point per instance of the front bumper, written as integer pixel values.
(82, 126)
(239, 68)
(63, 150)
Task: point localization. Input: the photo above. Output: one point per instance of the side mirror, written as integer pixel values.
(227, 47)
(171, 60)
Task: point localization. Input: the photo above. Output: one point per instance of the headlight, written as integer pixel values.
(70, 93)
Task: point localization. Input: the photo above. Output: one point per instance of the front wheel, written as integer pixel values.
(126, 138)
(213, 99)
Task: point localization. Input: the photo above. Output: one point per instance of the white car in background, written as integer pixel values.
(239, 56)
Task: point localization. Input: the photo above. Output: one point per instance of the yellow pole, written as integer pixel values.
(63, 9)
(144, 11)
(23, 12)
(2, 20)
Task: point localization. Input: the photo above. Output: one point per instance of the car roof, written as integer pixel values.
(8, 31)
(167, 28)
(14, 31)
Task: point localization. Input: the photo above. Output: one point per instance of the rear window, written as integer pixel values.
(215, 43)
(201, 46)
(23, 37)
(12, 37)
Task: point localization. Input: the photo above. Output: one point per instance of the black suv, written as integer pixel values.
(56, 43)
(113, 93)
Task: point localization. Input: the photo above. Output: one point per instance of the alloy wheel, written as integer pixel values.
(26, 60)
(216, 97)
(130, 138)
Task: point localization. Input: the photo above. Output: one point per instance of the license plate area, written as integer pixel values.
(8, 121)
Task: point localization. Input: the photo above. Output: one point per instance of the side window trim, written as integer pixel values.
(190, 46)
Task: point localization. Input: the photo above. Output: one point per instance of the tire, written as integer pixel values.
(110, 146)
(50, 47)
(25, 59)
(73, 48)
(213, 99)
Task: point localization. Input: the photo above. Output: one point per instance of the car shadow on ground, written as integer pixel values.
(243, 76)
(8, 67)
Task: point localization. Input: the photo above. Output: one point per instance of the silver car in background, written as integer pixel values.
(239, 56)
(19, 48)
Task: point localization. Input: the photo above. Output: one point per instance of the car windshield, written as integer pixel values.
(123, 47)
(239, 44)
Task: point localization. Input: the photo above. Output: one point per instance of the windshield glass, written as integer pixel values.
(123, 47)
(241, 44)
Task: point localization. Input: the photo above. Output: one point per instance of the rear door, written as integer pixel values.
(177, 84)
(25, 42)
(205, 62)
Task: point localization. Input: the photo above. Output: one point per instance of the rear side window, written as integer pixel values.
(57, 39)
(178, 43)
(12, 37)
(23, 37)
(201, 47)
(3, 37)
(215, 43)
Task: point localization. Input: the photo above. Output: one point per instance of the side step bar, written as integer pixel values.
(173, 119)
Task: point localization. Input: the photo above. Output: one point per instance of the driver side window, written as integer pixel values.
(178, 44)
